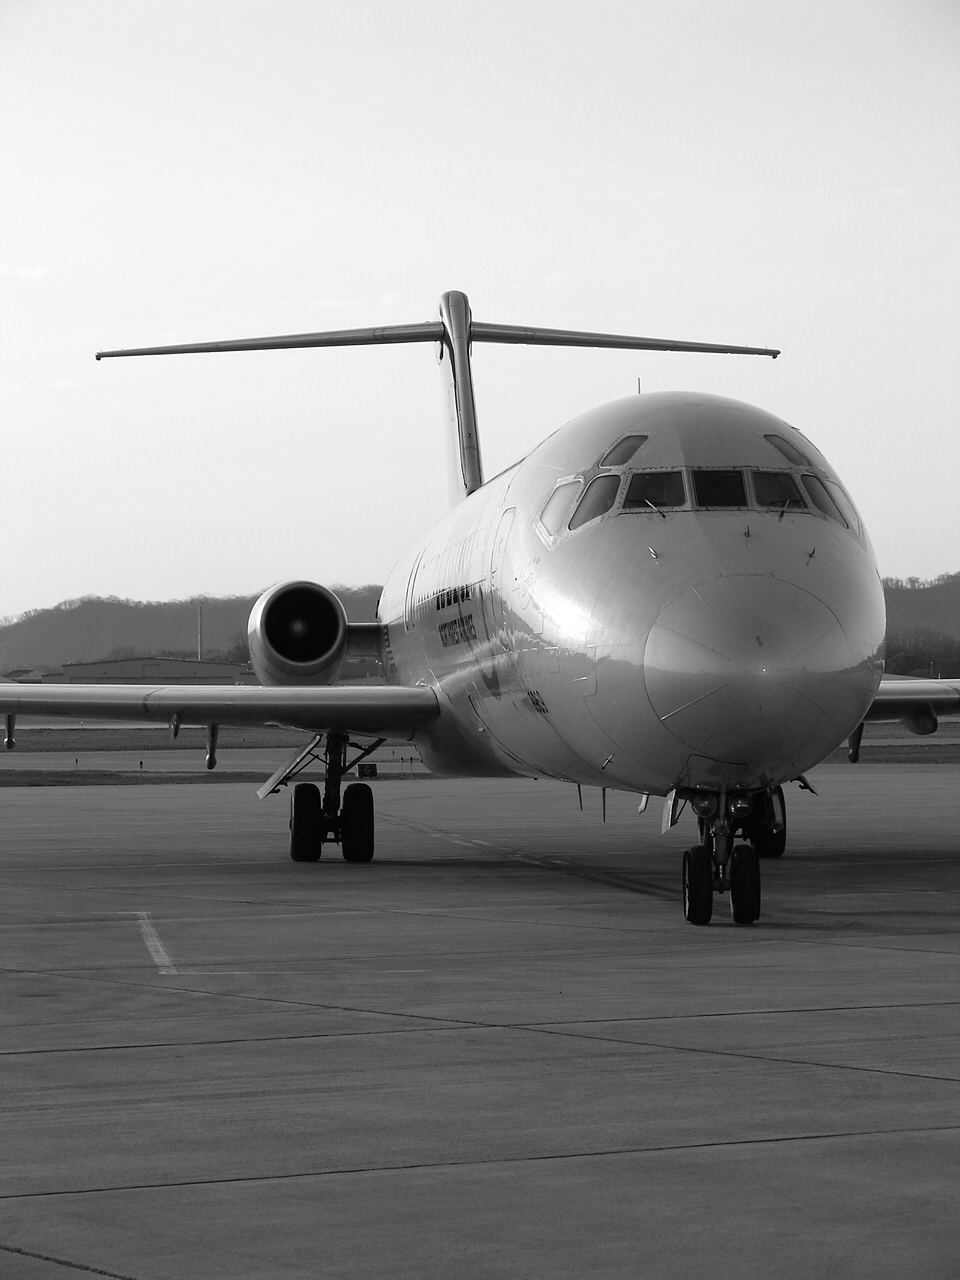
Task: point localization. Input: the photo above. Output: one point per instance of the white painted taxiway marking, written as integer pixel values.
(158, 951)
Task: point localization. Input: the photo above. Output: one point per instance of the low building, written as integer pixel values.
(152, 671)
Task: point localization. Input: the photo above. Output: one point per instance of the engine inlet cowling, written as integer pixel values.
(297, 634)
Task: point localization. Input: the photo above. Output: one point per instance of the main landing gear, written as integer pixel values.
(316, 819)
(717, 865)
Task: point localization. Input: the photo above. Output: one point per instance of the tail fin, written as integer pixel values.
(455, 331)
(464, 465)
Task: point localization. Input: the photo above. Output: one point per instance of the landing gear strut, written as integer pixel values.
(766, 828)
(315, 820)
(717, 865)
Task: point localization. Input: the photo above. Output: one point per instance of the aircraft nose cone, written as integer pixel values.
(748, 667)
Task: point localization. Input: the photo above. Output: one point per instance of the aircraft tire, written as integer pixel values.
(744, 884)
(356, 823)
(697, 885)
(306, 837)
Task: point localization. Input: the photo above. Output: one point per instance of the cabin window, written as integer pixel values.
(599, 496)
(777, 489)
(719, 489)
(623, 451)
(554, 514)
(821, 499)
(655, 489)
(789, 450)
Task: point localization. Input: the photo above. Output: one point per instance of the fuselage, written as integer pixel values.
(672, 590)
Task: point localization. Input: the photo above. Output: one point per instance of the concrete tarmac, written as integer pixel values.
(496, 1051)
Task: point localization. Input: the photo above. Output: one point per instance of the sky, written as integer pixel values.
(744, 171)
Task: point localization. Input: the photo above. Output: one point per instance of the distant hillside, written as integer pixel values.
(931, 606)
(923, 626)
(94, 628)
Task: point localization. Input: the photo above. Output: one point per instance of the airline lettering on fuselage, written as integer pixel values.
(457, 630)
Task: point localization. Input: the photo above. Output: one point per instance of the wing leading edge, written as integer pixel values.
(916, 703)
(380, 711)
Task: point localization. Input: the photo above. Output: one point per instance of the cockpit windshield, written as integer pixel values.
(655, 489)
(777, 489)
(719, 488)
(554, 514)
(599, 496)
(697, 488)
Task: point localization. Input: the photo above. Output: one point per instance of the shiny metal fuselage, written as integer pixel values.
(645, 650)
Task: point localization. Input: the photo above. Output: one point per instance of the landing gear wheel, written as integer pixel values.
(744, 885)
(306, 829)
(356, 823)
(697, 885)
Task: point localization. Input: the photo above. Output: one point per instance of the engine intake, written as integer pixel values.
(297, 634)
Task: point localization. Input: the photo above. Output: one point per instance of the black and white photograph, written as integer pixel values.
(479, 639)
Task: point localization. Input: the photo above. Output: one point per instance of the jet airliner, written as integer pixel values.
(672, 595)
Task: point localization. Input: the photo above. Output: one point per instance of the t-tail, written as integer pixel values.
(454, 332)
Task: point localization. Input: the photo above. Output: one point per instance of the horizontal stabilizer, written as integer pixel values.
(581, 338)
(431, 331)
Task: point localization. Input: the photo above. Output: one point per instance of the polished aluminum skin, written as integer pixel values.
(647, 649)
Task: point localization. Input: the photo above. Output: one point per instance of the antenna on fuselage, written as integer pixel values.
(455, 331)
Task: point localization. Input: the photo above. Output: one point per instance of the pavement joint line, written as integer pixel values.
(759, 1013)
(453, 1021)
(64, 1262)
(455, 1024)
(752, 1057)
(887, 948)
(426, 1166)
(460, 1025)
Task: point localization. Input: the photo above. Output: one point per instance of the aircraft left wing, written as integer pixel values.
(916, 703)
(380, 711)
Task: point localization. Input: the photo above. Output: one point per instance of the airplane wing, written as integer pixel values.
(380, 711)
(917, 703)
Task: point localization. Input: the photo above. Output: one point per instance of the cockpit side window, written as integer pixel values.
(654, 489)
(719, 488)
(821, 499)
(599, 496)
(623, 451)
(554, 514)
(789, 450)
(777, 489)
(845, 503)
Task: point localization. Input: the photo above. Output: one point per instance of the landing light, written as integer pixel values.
(704, 805)
(738, 806)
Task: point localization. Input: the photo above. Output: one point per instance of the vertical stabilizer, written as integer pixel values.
(464, 467)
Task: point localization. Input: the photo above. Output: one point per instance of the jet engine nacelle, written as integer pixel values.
(297, 634)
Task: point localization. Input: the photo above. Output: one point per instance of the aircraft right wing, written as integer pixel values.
(379, 711)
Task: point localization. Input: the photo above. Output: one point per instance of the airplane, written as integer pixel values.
(672, 595)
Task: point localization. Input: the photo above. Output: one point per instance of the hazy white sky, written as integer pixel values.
(762, 171)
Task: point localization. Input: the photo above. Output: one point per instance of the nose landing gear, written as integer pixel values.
(716, 865)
